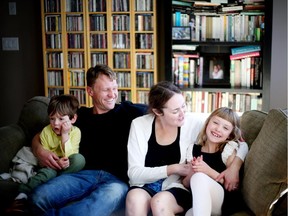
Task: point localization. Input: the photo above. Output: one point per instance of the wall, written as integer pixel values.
(21, 71)
(278, 83)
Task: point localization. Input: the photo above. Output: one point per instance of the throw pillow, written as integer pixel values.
(265, 167)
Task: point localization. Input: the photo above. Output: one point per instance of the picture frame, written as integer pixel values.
(182, 33)
(216, 70)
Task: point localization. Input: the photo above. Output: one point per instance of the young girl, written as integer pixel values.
(216, 148)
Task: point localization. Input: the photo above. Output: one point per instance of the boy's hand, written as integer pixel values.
(66, 127)
(64, 162)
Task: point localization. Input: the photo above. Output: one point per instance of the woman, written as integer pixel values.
(156, 154)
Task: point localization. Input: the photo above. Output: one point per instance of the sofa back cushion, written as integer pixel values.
(34, 116)
(265, 167)
(251, 124)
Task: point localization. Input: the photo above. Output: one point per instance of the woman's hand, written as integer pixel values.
(179, 169)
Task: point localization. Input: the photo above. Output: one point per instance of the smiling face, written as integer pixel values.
(174, 110)
(218, 130)
(104, 93)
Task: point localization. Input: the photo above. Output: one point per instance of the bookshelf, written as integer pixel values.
(78, 34)
(203, 36)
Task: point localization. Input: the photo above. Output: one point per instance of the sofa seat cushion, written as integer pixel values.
(265, 167)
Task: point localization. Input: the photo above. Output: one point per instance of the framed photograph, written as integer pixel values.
(181, 33)
(216, 71)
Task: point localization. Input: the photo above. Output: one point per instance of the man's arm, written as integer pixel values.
(46, 158)
(231, 174)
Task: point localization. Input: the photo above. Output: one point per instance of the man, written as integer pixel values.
(101, 187)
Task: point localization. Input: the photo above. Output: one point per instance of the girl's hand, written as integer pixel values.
(199, 165)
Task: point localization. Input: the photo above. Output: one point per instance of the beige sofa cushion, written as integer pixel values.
(265, 167)
(251, 124)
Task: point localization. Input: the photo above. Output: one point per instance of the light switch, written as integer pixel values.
(12, 8)
(10, 43)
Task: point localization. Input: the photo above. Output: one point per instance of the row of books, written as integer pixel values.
(144, 60)
(144, 22)
(142, 96)
(98, 41)
(75, 41)
(144, 79)
(123, 79)
(99, 58)
(144, 41)
(53, 41)
(54, 59)
(76, 60)
(77, 78)
(120, 22)
(53, 23)
(97, 22)
(74, 23)
(121, 41)
(74, 5)
(121, 60)
(80, 94)
(55, 78)
(52, 6)
(244, 71)
(123, 96)
(239, 27)
(206, 102)
(97, 5)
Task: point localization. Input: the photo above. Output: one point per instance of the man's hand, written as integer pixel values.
(46, 158)
(231, 175)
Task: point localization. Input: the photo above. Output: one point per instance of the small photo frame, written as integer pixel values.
(216, 71)
(181, 33)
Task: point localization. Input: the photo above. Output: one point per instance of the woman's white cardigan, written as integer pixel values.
(140, 133)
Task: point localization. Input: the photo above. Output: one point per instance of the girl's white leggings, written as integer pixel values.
(207, 196)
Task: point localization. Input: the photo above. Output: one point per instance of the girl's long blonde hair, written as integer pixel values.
(227, 114)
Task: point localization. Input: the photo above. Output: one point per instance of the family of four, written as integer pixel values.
(177, 163)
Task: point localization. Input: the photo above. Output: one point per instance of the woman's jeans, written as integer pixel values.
(88, 192)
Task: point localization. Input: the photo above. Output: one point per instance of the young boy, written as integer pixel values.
(60, 137)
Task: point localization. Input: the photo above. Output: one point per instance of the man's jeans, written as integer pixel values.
(88, 192)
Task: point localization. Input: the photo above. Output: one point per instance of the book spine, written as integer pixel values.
(245, 49)
(244, 55)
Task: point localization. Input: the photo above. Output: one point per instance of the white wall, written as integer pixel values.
(278, 83)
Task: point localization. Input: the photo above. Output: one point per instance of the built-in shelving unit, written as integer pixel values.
(78, 34)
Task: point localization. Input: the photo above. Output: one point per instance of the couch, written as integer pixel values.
(264, 185)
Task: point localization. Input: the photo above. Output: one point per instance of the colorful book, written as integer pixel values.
(245, 49)
(244, 55)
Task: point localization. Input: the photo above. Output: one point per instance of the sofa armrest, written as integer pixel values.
(12, 138)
